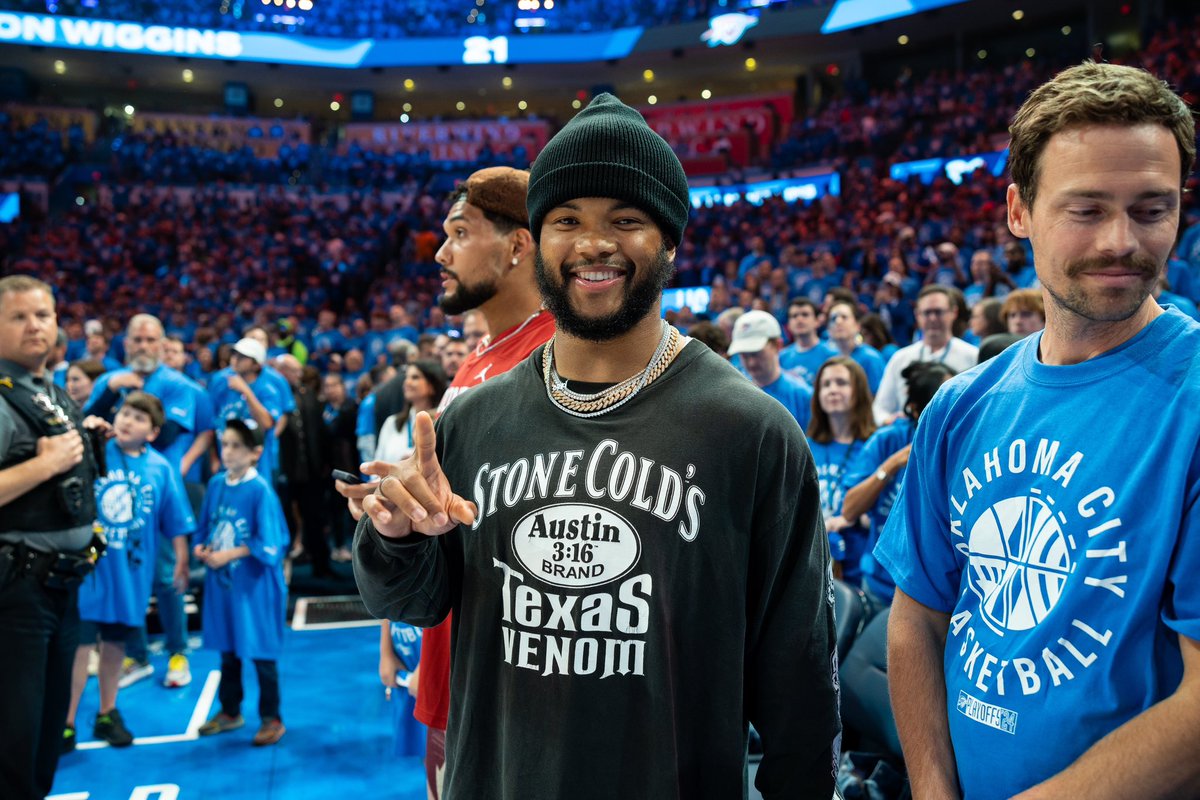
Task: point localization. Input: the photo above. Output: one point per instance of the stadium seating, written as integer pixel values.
(850, 613)
(866, 708)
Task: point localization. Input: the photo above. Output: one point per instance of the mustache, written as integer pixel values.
(1142, 264)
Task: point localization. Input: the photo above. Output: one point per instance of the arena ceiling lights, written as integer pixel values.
(131, 37)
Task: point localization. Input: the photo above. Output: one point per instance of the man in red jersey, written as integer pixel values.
(487, 265)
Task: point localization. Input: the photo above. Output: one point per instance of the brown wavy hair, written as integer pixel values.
(1095, 94)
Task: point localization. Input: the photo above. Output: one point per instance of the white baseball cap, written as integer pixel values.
(251, 348)
(752, 331)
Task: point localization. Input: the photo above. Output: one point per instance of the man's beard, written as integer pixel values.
(640, 297)
(467, 297)
(142, 364)
(1119, 307)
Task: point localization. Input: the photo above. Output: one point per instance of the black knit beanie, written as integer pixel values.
(608, 150)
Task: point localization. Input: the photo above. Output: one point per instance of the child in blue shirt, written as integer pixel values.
(139, 499)
(399, 655)
(242, 539)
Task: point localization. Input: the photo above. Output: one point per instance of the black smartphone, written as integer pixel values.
(345, 477)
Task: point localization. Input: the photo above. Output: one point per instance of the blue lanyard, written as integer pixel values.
(830, 490)
(941, 360)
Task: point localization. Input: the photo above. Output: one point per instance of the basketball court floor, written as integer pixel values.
(339, 740)
(339, 729)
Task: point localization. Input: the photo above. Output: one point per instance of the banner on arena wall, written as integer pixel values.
(928, 169)
(765, 116)
(131, 37)
(803, 189)
(451, 141)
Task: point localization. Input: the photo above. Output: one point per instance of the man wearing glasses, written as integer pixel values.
(936, 312)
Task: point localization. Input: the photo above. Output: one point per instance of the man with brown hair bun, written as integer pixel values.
(487, 266)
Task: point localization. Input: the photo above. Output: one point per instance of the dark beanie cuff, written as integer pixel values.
(607, 179)
(608, 150)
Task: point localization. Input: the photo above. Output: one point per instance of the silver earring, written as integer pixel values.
(514, 261)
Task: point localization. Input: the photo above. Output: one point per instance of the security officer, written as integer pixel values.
(47, 510)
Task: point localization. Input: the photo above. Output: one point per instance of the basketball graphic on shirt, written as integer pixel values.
(1019, 561)
(123, 503)
(116, 504)
(224, 536)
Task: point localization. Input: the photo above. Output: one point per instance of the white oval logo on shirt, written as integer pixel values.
(576, 545)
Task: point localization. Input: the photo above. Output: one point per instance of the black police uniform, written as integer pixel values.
(46, 538)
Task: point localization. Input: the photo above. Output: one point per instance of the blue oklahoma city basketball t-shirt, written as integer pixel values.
(1054, 513)
(138, 500)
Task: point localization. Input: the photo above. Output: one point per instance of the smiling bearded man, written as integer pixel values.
(641, 570)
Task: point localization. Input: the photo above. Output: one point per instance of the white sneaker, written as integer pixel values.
(178, 672)
(133, 671)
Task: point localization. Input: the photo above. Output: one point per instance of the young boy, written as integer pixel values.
(243, 538)
(139, 499)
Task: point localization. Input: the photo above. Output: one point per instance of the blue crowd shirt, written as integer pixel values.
(804, 363)
(179, 397)
(205, 421)
(1180, 302)
(833, 460)
(327, 341)
(409, 734)
(882, 444)
(287, 401)
(244, 601)
(1052, 512)
(171, 387)
(202, 420)
(872, 363)
(374, 347)
(364, 422)
(794, 394)
(1181, 279)
(138, 500)
(228, 404)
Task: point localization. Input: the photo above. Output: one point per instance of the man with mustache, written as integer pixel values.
(1044, 641)
(641, 570)
(487, 268)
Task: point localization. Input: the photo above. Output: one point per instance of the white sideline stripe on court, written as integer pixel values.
(70, 796)
(199, 716)
(204, 704)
